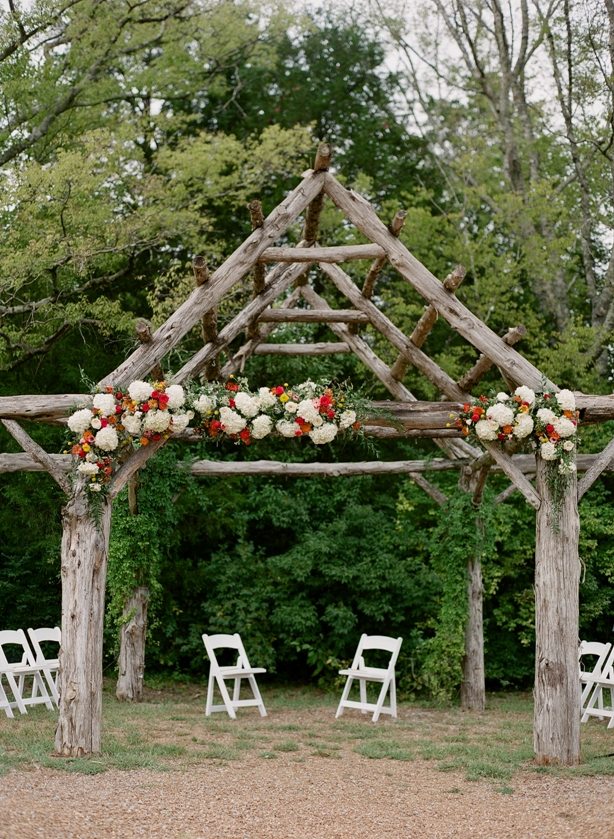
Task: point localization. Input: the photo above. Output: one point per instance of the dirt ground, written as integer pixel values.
(315, 798)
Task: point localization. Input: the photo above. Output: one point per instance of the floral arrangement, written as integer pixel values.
(549, 421)
(231, 411)
(120, 421)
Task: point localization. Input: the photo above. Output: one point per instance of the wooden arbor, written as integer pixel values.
(85, 540)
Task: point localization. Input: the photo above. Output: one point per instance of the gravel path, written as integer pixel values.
(314, 798)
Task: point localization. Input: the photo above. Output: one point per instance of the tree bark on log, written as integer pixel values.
(84, 568)
(132, 647)
(557, 579)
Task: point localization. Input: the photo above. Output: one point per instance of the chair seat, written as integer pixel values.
(364, 673)
(236, 672)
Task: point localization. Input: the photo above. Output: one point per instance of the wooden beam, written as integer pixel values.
(395, 227)
(218, 468)
(208, 322)
(361, 349)
(507, 465)
(420, 360)
(279, 279)
(427, 322)
(222, 280)
(35, 451)
(237, 361)
(431, 490)
(603, 461)
(320, 348)
(460, 318)
(483, 364)
(314, 210)
(313, 316)
(340, 253)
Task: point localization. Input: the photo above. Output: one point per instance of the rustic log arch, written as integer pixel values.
(85, 541)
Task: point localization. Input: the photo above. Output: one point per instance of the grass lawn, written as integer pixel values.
(169, 731)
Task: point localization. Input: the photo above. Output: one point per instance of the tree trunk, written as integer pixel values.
(132, 647)
(557, 579)
(473, 687)
(85, 544)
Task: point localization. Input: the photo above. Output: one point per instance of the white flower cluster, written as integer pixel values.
(550, 417)
(233, 411)
(118, 420)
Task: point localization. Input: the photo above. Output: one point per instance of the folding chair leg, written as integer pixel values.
(344, 696)
(257, 696)
(226, 698)
(380, 701)
(209, 695)
(363, 693)
(236, 691)
(5, 702)
(16, 693)
(393, 697)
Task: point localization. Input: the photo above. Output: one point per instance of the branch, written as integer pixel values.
(38, 453)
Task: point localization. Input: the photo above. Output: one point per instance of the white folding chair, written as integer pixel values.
(218, 674)
(48, 666)
(591, 657)
(601, 682)
(364, 674)
(17, 666)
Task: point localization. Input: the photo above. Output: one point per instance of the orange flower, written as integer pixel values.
(144, 441)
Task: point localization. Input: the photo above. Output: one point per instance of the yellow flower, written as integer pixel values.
(284, 397)
(86, 447)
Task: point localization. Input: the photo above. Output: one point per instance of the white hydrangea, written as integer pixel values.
(245, 403)
(157, 421)
(526, 394)
(569, 446)
(486, 429)
(88, 468)
(287, 428)
(566, 400)
(176, 397)
(324, 433)
(523, 426)
(232, 422)
(107, 439)
(546, 416)
(204, 404)
(139, 391)
(266, 398)
(262, 426)
(105, 402)
(181, 422)
(501, 414)
(347, 419)
(291, 407)
(564, 427)
(502, 397)
(308, 410)
(548, 451)
(132, 424)
(80, 420)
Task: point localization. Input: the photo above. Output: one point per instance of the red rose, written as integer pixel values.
(231, 403)
(278, 390)
(145, 407)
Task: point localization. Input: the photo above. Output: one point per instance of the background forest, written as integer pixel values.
(132, 137)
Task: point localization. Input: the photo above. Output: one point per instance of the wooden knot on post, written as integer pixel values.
(314, 210)
(324, 157)
(209, 319)
(142, 327)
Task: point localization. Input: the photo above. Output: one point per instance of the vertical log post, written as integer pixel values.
(473, 686)
(557, 578)
(131, 662)
(85, 542)
(208, 320)
(258, 273)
